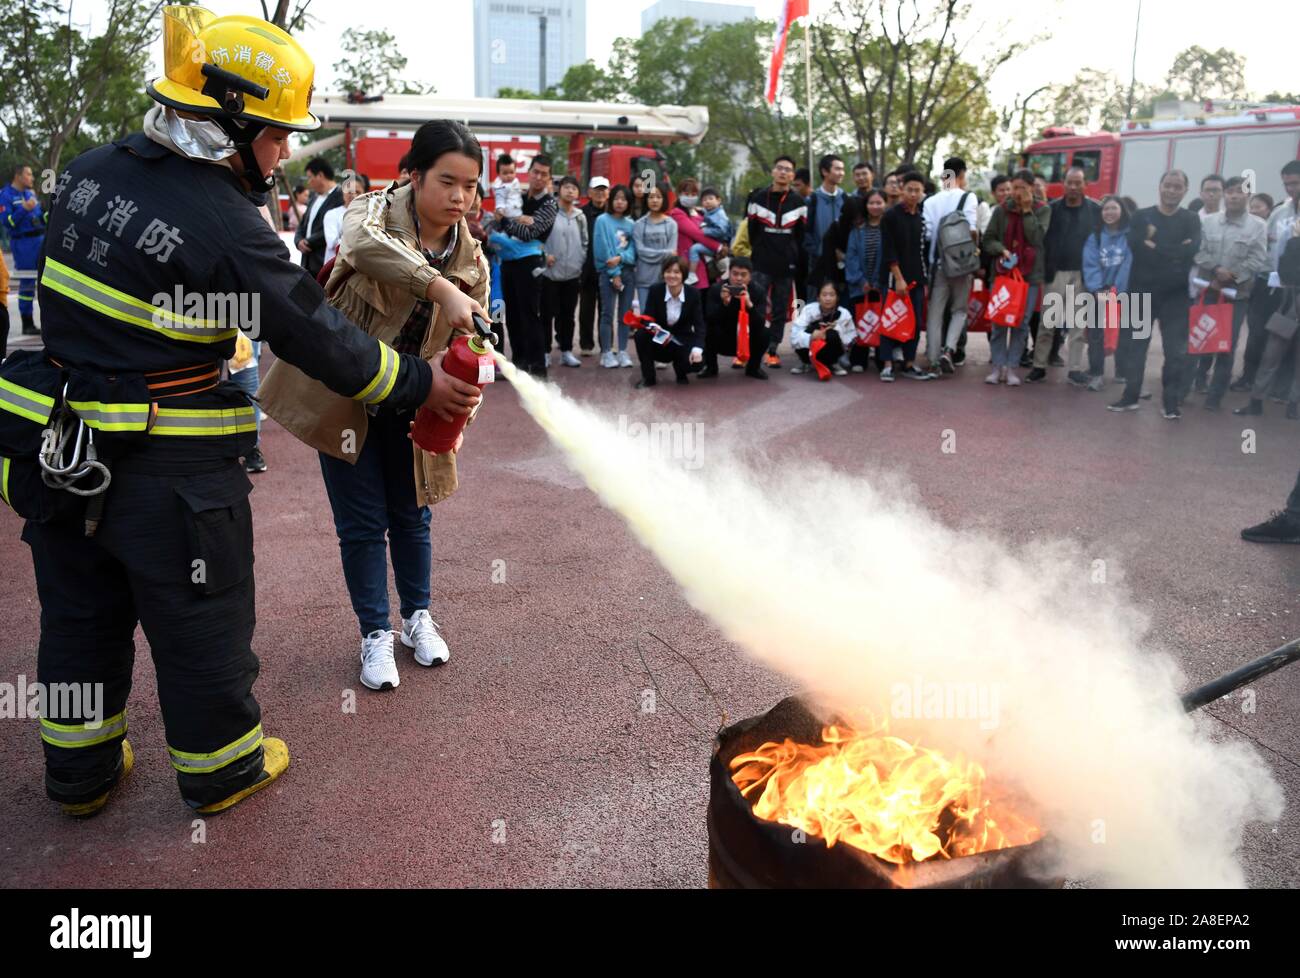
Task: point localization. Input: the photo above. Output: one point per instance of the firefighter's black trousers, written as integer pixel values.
(175, 553)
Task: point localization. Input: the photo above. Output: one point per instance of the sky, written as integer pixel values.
(1084, 33)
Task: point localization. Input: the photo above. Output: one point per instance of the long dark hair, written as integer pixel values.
(438, 137)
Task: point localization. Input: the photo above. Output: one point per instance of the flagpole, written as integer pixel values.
(807, 78)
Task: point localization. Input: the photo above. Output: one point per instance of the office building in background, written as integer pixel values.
(526, 45)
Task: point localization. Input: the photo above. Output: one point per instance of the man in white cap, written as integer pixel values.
(589, 297)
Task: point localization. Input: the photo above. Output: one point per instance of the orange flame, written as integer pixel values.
(879, 793)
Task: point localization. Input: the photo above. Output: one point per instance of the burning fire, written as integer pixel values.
(896, 800)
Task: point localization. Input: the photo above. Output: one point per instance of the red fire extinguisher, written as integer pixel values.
(469, 358)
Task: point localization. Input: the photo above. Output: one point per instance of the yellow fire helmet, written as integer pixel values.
(235, 68)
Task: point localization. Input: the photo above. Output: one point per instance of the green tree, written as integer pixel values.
(69, 89)
(1198, 74)
(1094, 99)
(373, 65)
(899, 76)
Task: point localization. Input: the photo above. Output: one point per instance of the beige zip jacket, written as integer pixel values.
(378, 277)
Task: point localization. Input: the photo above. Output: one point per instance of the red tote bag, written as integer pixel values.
(1007, 298)
(1209, 327)
(866, 320)
(1112, 313)
(897, 320)
(976, 322)
(742, 331)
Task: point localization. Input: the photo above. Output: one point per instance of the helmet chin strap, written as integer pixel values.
(242, 135)
(228, 89)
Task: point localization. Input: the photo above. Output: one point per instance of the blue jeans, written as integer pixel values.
(613, 307)
(248, 380)
(1007, 343)
(700, 253)
(374, 497)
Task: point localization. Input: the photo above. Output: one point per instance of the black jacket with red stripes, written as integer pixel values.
(777, 223)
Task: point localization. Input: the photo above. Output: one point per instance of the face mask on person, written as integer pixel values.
(199, 139)
(688, 202)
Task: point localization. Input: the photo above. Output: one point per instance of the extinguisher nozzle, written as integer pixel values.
(483, 327)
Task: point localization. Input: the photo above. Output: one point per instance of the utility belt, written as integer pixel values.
(19, 235)
(63, 428)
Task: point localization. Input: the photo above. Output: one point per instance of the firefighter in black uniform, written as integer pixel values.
(153, 242)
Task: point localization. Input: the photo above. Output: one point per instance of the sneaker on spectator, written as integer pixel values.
(773, 361)
(1280, 528)
(1013, 379)
(958, 357)
(1171, 414)
(994, 377)
(737, 363)
(378, 668)
(692, 278)
(420, 634)
(607, 359)
(1097, 384)
(916, 373)
(623, 359)
(569, 360)
(857, 368)
(1123, 404)
(839, 371)
(588, 351)
(1077, 378)
(1037, 375)
(946, 364)
(1240, 385)
(800, 368)
(887, 375)
(254, 462)
(1055, 361)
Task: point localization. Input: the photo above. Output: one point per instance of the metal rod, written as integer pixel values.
(1224, 685)
(807, 81)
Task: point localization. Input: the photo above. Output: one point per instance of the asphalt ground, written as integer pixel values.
(530, 759)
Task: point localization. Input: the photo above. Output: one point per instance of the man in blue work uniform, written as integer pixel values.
(127, 394)
(24, 220)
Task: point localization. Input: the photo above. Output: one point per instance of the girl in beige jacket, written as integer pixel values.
(410, 274)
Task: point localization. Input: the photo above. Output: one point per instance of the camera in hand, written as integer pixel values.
(735, 289)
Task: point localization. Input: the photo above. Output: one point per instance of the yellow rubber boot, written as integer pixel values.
(87, 808)
(275, 758)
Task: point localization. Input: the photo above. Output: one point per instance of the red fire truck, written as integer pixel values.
(1130, 162)
(375, 133)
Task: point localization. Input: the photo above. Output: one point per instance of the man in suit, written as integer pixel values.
(326, 195)
(678, 310)
(722, 305)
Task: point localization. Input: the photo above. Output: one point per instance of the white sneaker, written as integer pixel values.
(887, 375)
(623, 359)
(660, 365)
(994, 377)
(1013, 379)
(607, 359)
(693, 278)
(420, 632)
(857, 368)
(378, 669)
(569, 360)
